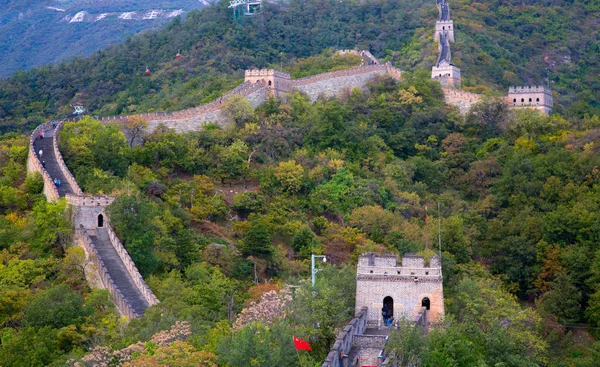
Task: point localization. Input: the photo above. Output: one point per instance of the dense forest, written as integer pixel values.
(218, 218)
(215, 218)
(498, 44)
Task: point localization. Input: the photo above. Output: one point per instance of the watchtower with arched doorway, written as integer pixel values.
(89, 211)
(277, 82)
(391, 290)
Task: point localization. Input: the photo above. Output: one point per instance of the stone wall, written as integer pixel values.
(82, 239)
(35, 165)
(333, 83)
(341, 347)
(131, 268)
(460, 99)
(193, 119)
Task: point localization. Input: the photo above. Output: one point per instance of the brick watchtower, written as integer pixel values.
(277, 82)
(539, 98)
(405, 289)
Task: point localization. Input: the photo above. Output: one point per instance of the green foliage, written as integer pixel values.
(131, 217)
(56, 307)
(258, 345)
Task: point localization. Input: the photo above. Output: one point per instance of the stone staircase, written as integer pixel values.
(115, 269)
(52, 166)
(118, 271)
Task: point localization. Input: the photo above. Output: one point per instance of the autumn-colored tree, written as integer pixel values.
(135, 128)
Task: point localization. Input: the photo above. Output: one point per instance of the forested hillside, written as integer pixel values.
(35, 33)
(498, 44)
(215, 218)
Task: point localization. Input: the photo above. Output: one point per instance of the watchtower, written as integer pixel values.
(539, 98)
(277, 82)
(447, 74)
(405, 290)
(444, 26)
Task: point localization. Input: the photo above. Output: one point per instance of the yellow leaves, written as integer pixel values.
(251, 129)
(15, 220)
(525, 143)
(409, 96)
(335, 164)
(290, 175)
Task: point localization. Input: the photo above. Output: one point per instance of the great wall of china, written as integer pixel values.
(363, 339)
(108, 263)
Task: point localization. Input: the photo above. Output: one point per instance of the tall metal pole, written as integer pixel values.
(312, 268)
(426, 230)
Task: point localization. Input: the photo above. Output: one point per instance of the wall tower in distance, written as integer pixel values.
(405, 289)
(538, 98)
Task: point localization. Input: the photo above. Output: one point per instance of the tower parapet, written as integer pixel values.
(536, 97)
(277, 82)
(405, 289)
(444, 26)
(447, 74)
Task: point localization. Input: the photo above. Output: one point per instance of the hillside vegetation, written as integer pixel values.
(215, 218)
(498, 44)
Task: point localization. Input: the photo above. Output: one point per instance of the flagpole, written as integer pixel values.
(426, 230)
(298, 354)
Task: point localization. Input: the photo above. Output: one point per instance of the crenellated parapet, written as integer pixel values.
(61, 163)
(535, 97)
(444, 27)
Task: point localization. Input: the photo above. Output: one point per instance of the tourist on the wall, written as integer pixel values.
(40, 153)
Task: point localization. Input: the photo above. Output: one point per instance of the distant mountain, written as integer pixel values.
(34, 33)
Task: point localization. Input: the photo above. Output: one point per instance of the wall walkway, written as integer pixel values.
(114, 267)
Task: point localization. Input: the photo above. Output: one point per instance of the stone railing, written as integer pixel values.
(394, 72)
(244, 90)
(35, 165)
(337, 74)
(362, 53)
(131, 268)
(342, 345)
(83, 239)
(61, 163)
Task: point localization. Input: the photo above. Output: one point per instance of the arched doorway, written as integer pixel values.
(425, 303)
(100, 220)
(387, 311)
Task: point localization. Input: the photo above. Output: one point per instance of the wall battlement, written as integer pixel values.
(528, 89)
(444, 27)
(266, 72)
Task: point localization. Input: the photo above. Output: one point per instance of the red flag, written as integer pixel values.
(301, 344)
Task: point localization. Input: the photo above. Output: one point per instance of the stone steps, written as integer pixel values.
(117, 271)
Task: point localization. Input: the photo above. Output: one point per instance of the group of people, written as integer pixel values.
(57, 182)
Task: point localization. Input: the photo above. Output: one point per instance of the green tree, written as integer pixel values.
(57, 307)
(563, 299)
